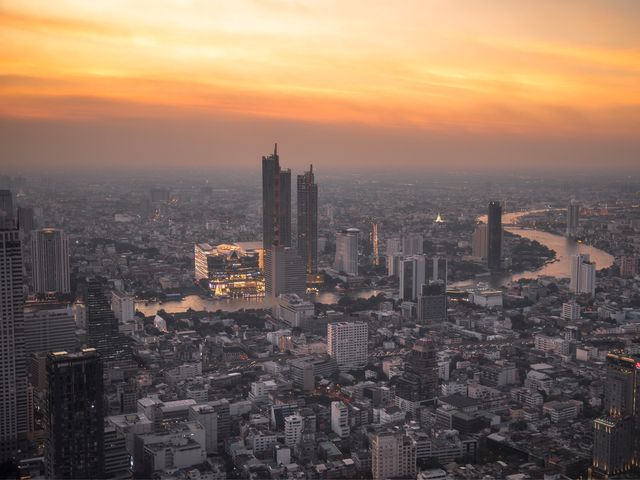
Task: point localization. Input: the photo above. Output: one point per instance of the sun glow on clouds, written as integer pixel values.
(537, 68)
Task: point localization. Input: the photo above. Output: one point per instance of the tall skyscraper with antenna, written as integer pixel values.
(308, 220)
(276, 202)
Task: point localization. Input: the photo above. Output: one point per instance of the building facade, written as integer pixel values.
(346, 259)
(308, 220)
(347, 344)
(494, 236)
(50, 261)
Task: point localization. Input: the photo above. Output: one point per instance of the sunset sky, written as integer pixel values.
(417, 84)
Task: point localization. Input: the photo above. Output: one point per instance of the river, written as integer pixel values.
(560, 268)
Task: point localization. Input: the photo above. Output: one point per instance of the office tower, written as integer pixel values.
(440, 270)
(432, 303)
(394, 246)
(340, 419)
(102, 325)
(292, 430)
(413, 274)
(570, 310)
(50, 260)
(13, 370)
(308, 220)
(347, 344)
(573, 219)
(48, 327)
(479, 242)
(346, 259)
(412, 244)
(6, 208)
(117, 460)
(123, 306)
(208, 418)
(615, 435)
(393, 455)
(26, 220)
(494, 236)
(223, 414)
(276, 202)
(284, 271)
(74, 415)
(583, 275)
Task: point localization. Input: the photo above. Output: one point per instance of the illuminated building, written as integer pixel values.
(615, 435)
(276, 202)
(573, 219)
(494, 236)
(231, 269)
(375, 242)
(346, 259)
(50, 259)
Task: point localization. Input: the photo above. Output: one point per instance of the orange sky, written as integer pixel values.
(484, 69)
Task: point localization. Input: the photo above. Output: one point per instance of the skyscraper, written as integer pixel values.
(308, 220)
(74, 415)
(419, 382)
(346, 259)
(412, 273)
(284, 271)
(437, 270)
(573, 219)
(26, 220)
(412, 244)
(393, 455)
(479, 242)
(102, 325)
(6, 206)
(583, 275)
(276, 202)
(50, 259)
(615, 435)
(494, 236)
(13, 373)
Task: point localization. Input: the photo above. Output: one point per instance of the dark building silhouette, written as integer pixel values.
(50, 261)
(276, 202)
(432, 303)
(26, 220)
(6, 208)
(419, 382)
(13, 370)
(494, 236)
(616, 446)
(74, 415)
(308, 220)
(102, 325)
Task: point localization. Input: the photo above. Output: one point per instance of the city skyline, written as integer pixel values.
(415, 85)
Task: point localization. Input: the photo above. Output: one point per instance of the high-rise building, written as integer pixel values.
(393, 455)
(573, 219)
(570, 310)
(629, 265)
(412, 244)
(347, 344)
(432, 303)
(74, 415)
(375, 242)
(13, 370)
(394, 246)
(615, 436)
(284, 271)
(6, 208)
(419, 382)
(412, 274)
(308, 220)
(437, 270)
(494, 236)
(123, 305)
(346, 259)
(26, 220)
(276, 202)
(340, 419)
(583, 275)
(479, 242)
(50, 260)
(102, 325)
(48, 327)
